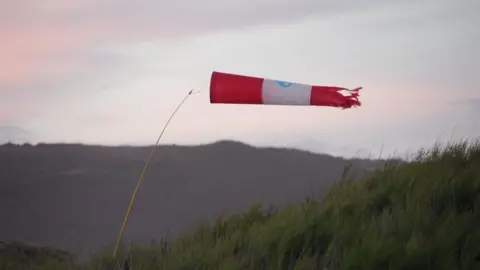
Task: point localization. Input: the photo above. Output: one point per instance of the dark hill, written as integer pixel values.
(74, 197)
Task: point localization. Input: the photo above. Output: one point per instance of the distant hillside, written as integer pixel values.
(16, 255)
(74, 197)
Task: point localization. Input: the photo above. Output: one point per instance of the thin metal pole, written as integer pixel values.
(140, 179)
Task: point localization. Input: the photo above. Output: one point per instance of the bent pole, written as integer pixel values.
(140, 179)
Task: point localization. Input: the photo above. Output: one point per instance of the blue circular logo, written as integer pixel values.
(284, 84)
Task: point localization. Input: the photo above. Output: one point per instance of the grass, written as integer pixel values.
(424, 214)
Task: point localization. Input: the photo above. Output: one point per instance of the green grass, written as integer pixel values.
(424, 214)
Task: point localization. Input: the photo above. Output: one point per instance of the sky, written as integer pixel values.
(112, 71)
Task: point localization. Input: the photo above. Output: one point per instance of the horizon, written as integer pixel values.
(80, 72)
(405, 156)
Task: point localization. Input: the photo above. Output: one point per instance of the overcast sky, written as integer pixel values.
(112, 71)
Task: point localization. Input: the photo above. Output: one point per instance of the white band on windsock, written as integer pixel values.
(285, 93)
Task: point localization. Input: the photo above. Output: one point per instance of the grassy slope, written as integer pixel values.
(422, 215)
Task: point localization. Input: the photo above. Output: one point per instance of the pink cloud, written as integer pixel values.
(41, 43)
(41, 52)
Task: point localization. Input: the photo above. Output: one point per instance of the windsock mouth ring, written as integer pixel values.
(212, 88)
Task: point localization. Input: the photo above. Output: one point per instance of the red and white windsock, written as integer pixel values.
(240, 89)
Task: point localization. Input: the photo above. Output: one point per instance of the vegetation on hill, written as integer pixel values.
(16, 255)
(424, 214)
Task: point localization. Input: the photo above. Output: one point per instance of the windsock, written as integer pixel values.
(240, 89)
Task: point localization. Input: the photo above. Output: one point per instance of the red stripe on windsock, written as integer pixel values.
(331, 96)
(236, 89)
